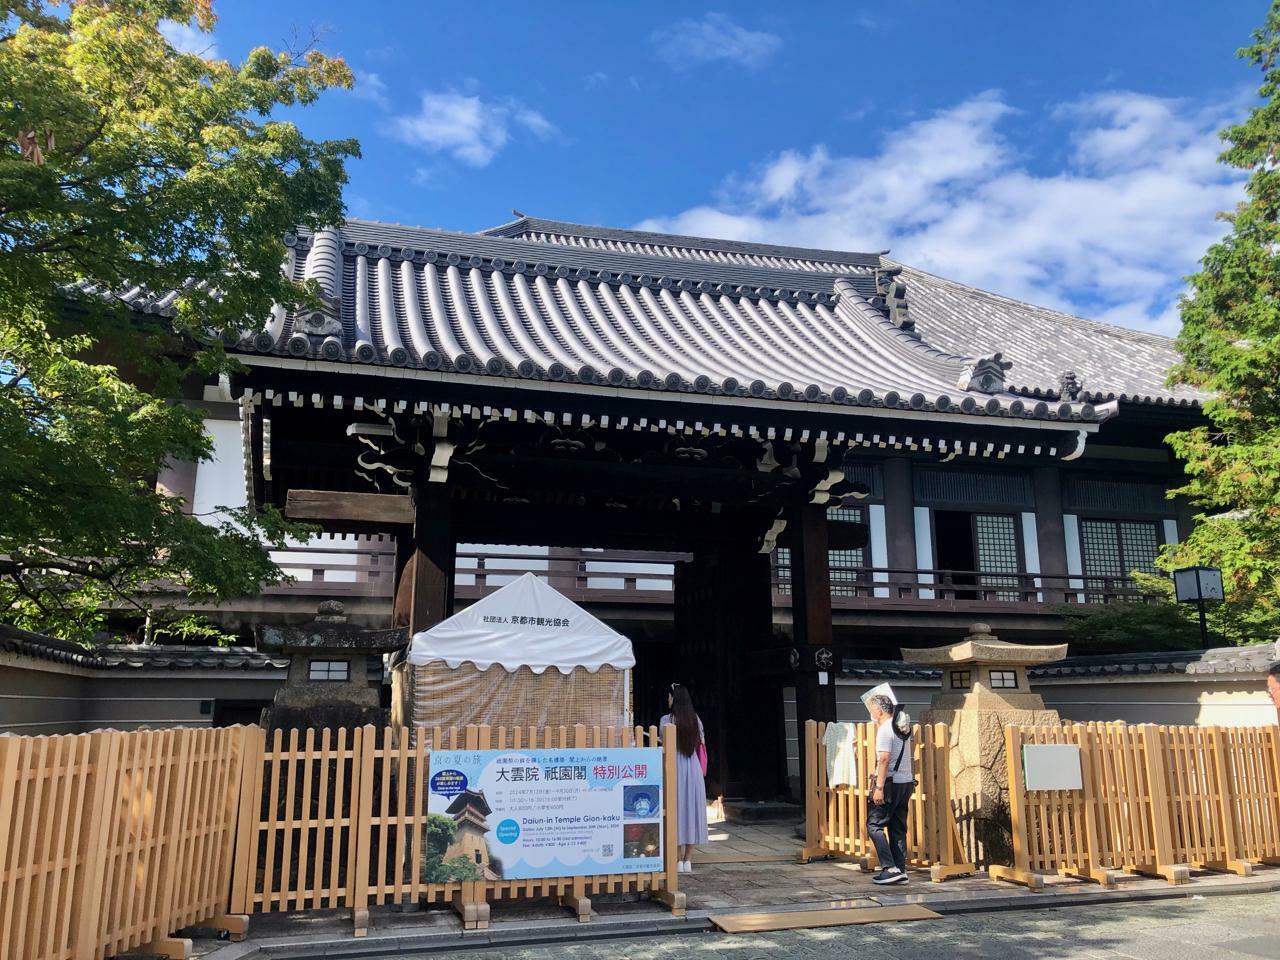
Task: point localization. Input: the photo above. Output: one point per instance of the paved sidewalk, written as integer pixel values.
(1215, 928)
(746, 868)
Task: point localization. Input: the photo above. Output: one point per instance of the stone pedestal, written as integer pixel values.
(984, 690)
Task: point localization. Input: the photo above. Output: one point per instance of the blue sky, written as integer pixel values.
(1060, 153)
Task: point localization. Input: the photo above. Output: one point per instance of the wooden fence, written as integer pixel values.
(109, 841)
(836, 817)
(339, 821)
(1153, 799)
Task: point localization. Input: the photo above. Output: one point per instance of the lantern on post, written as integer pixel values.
(1196, 585)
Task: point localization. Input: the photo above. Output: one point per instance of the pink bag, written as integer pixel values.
(702, 757)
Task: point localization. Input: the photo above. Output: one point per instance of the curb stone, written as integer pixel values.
(548, 932)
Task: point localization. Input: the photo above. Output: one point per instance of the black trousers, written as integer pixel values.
(890, 818)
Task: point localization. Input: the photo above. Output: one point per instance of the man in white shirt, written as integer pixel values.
(894, 784)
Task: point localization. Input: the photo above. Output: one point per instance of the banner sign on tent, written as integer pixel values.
(521, 814)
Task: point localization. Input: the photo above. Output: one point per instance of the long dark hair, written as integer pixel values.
(688, 735)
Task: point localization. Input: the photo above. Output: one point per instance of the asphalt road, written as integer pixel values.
(1213, 928)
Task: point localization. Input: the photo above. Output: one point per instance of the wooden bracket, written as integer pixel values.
(473, 911)
(579, 903)
(1032, 881)
(1098, 875)
(171, 948)
(1242, 868)
(806, 854)
(1175, 873)
(360, 920)
(945, 871)
(236, 925)
(674, 899)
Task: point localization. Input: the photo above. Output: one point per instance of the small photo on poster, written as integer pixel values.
(640, 841)
(640, 801)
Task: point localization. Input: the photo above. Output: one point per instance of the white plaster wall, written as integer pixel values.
(220, 480)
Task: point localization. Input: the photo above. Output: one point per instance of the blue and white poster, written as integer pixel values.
(524, 814)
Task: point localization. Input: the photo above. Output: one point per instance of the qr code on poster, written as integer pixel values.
(606, 850)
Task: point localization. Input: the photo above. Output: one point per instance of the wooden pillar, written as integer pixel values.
(811, 610)
(723, 611)
(424, 595)
(899, 515)
(1050, 536)
(754, 743)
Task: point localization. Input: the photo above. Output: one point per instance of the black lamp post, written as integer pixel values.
(1196, 585)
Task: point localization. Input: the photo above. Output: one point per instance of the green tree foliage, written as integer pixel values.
(1230, 346)
(1161, 623)
(441, 831)
(130, 163)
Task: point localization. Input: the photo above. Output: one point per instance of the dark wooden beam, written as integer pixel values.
(1051, 539)
(429, 575)
(899, 514)
(811, 616)
(376, 509)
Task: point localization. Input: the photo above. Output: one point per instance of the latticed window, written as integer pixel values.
(847, 566)
(996, 537)
(1113, 550)
(782, 569)
(1004, 679)
(960, 680)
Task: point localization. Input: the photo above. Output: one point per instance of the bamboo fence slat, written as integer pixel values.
(111, 841)
(1153, 799)
(836, 817)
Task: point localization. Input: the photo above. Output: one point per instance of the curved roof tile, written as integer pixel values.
(1043, 344)
(474, 304)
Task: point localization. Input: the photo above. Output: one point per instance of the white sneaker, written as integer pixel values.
(688, 866)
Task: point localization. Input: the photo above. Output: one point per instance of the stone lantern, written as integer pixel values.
(984, 690)
(328, 683)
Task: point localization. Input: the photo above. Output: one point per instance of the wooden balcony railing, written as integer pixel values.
(365, 566)
(342, 567)
(863, 587)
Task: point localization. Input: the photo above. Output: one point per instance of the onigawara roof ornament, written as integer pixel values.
(1070, 386)
(892, 291)
(985, 374)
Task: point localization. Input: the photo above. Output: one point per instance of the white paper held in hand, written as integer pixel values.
(878, 690)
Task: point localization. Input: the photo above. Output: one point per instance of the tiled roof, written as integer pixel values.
(478, 305)
(1111, 362)
(111, 656)
(1221, 660)
(881, 670)
(1251, 659)
(685, 247)
(481, 305)
(14, 640)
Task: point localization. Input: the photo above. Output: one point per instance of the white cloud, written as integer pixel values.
(468, 128)
(714, 38)
(187, 39)
(1109, 234)
(371, 87)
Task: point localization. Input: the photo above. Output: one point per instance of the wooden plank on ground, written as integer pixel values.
(804, 919)
(713, 856)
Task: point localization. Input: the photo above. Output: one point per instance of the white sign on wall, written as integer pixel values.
(1051, 766)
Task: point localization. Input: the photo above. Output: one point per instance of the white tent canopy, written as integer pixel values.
(526, 623)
